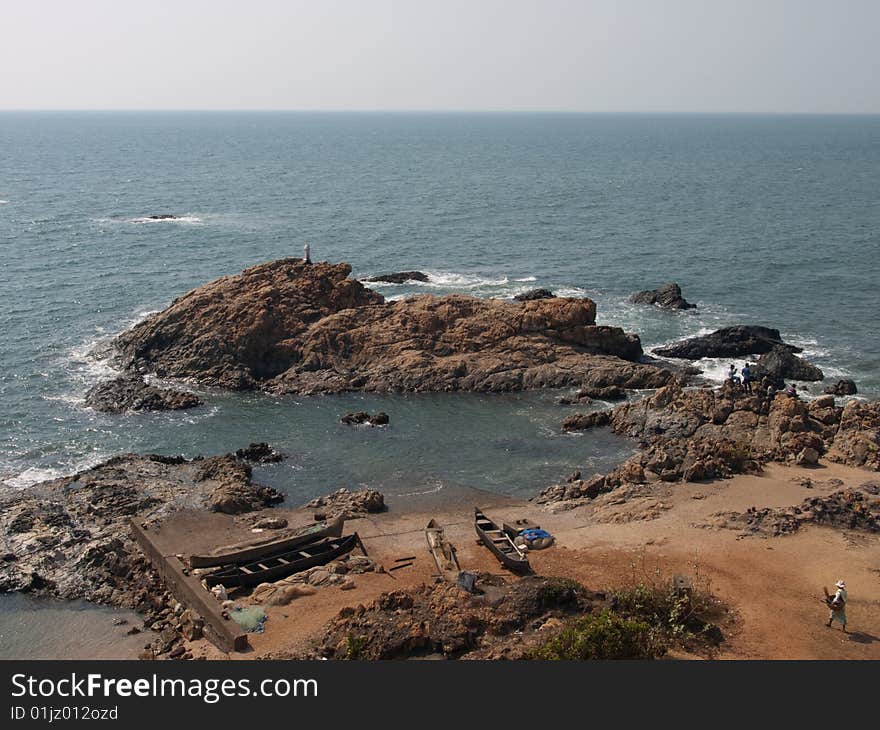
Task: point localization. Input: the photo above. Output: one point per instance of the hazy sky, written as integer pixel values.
(589, 55)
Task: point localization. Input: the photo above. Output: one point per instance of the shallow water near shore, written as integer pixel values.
(45, 629)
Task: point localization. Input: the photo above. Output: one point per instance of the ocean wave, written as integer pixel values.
(3, 202)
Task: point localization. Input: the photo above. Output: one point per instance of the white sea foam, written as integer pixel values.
(527, 278)
(3, 202)
(145, 220)
(35, 474)
(571, 291)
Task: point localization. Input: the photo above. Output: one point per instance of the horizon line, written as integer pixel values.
(256, 110)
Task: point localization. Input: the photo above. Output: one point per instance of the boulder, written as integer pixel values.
(400, 277)
(667, 296)
(533, 294)
(842, 387)
(132, 393)
(350, 505)
(585, 421)
(781, 364)
(738, 341)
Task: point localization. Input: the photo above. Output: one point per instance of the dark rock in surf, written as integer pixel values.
(667, 296)
(400, 277)
(534, 294)
(738, 341)
(842, 387)
(260, 453)
(363, 418)
(163, 217)
(133, 393)
(781, 363)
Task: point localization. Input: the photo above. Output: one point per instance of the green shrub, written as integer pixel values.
(559, 591)
(601, 636)
(355, 647)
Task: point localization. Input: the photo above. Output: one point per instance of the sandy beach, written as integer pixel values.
(773, 586)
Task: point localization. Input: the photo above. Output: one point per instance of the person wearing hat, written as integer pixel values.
(837, 604)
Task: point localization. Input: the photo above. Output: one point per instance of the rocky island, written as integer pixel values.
(290, 327)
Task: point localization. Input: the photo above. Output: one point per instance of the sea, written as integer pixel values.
(762, 219)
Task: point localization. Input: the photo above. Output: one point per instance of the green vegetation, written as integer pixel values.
(601, 636)
(356, 647)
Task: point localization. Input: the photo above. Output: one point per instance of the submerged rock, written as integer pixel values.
(667, 296)
(400, 277)
(133, 393)
(738, 341)
(289, 327)
(362, 417)
(533, 294)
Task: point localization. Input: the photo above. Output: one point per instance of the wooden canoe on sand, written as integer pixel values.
(443, 551)
(249, 551)
(499, 543)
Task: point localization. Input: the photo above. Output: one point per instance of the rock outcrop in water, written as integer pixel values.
(288, 327)
(533, 294)
(69, 537)
(667, 296)
(738, 341)
(781, 363)
(133, 393)
(400, 277)
(846, 386)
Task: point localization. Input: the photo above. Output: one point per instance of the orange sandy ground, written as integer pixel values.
(773, 585)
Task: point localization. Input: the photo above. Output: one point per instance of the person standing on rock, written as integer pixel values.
(747, 378)
(837, 604)
(307, 253)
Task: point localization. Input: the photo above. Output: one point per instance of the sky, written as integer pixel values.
(481, 55)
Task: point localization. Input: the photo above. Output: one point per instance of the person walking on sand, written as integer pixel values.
(837, 604)
(307, 253)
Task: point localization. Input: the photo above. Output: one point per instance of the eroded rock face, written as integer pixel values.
(667, 296)
(287, 327)
(350, 505)
(238, 331)
(132, 393)
(738, 341)
(70, 538)
(781, 363)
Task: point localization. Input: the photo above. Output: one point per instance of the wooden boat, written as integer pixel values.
(499, 543)
(281, 565)
(251, 550)
(443, 551)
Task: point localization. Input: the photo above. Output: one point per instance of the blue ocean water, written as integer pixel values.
(762, 219)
